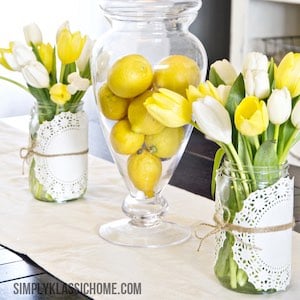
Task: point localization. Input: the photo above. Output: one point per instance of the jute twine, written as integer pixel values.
(27, 152)
(224, 225)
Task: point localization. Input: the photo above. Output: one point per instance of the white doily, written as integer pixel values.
(63, 177)
(265, 257)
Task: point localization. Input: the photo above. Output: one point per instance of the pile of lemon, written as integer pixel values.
(130, 81)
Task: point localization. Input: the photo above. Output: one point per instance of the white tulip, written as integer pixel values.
(257, 83)
(85, 55)
(20, 56)
(255, 61)
(225, 70)
(36, 75)
(23, 54)
(295, 117)
(279, 106)
(77, 83)
(32, 34)
(212, 119)
(223, 92)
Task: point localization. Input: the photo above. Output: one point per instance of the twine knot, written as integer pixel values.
(221, 224)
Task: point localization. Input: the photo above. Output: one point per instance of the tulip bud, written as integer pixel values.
(288, 74)
(169, 108)
(7, 59)
(223, 92)
(32, 34)
(257, 83)
(69, 46)
(295, 117)
(46, 55)
(251, 116)
(255, 61)
(36, 75)
(225, 70)
(17, 56)
(213, 119)
(279, 106)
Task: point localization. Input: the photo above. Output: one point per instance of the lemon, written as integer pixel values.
(141, 121)
(124, 140)
(176, 72)
(112, 106)
(166, 143)
(144, 170)
(130, 76)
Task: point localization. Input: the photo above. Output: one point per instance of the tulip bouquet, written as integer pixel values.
(57, 77)
(37, 62)
(254, 117)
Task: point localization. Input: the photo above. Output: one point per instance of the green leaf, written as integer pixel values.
(87, 71)
(36, 52)
(214, 77)
(285, 132)
(53, 75)
(217, 162)
(236, 95)
(271, 74)
(266, 155)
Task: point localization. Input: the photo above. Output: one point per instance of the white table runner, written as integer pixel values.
(64, 240)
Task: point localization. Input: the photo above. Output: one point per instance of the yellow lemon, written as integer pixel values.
(141, 121)
(130, 76)
(144, 170)
(124, 140)
(166, 143)
(112, 106)
(176, 72)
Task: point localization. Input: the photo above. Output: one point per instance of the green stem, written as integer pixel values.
(62, 73)
(235, 157)
(239, 166)
(288, 146)
(256, 142)
(233, 272)
(276, 134)
(15, 82)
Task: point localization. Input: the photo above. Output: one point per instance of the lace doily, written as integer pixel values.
(63, 177)
(265, 257)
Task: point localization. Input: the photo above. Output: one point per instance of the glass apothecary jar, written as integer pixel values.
(140, 68)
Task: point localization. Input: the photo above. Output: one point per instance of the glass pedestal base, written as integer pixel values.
(123, 232)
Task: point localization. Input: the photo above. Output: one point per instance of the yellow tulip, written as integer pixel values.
(169, 108)
(251, 116)
(207, 89)
(46, 55)
(69, 45)
(3, 61)
(288, 73)
(59, 93)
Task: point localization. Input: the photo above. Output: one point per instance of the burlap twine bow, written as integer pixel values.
(27, 152)
(224, 225)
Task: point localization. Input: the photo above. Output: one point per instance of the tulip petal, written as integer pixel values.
(213, 119)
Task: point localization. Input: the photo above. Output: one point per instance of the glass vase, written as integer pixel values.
(58, 152)
(253, 252)
(149, 47)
